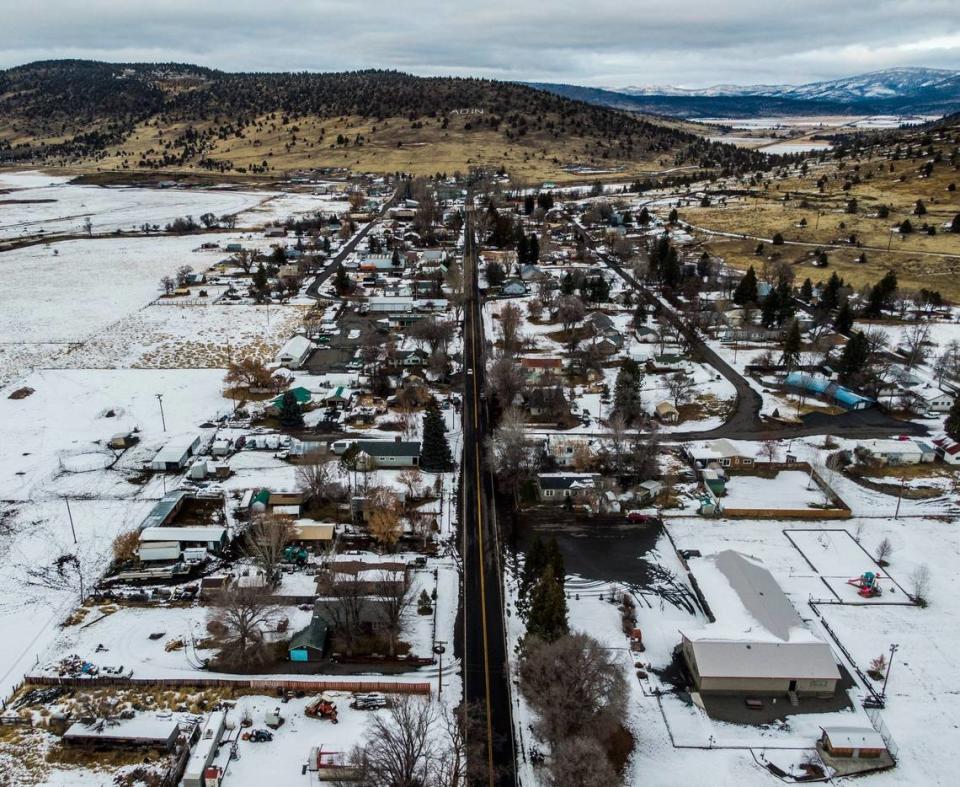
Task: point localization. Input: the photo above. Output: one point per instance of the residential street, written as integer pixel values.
(484, 656)
(745, 422)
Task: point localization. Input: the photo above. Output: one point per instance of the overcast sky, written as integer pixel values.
(693, 43)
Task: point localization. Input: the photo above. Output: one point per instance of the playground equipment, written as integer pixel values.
(867, 584)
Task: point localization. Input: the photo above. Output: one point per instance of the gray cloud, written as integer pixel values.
(601, 42)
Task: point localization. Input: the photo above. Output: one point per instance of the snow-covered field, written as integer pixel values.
(52, 206)
(169, 335)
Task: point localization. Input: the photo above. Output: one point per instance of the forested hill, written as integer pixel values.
(169, 116)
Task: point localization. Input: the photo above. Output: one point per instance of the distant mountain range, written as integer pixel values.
(892, 91)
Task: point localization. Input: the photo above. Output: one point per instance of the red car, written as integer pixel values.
(639, 518)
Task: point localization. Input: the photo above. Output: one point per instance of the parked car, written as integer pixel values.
(639, 518)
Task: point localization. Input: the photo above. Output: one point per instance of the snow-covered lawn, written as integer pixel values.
(788, 489)
(68, 415)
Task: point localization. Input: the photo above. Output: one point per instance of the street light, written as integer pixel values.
(893, 649)
(162, 419)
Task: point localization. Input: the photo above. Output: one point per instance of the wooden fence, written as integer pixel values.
(201, 682)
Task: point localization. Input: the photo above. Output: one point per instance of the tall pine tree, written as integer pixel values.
(746, 292)
(547, 617)
(435, 454)
(291, 416)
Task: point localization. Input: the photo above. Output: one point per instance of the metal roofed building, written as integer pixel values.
(770, 652)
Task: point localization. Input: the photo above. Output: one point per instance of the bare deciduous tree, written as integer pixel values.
(920, 583)
(245, 615)
(394, 596)
(249, 373)
(384, 516)
(510, 321)
(680, 387)
(580, 762)
(413, 744)
(770, 449)
(505, 380)
(884, 550)
(318, 484)
(511, 456)
(573, 666)
(265, 541)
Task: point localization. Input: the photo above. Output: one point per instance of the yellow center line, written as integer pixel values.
(483, 592)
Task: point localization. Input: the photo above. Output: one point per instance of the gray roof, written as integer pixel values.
(759, 593)
(163, 509)
(390, 447)
(313, 636)
(717, 658)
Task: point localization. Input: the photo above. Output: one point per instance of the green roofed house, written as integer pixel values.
(309, 644)
(301, 394)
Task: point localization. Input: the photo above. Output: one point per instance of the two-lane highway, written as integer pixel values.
(484, 657)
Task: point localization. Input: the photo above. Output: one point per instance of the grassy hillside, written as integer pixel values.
(149, 117)
(861, 191)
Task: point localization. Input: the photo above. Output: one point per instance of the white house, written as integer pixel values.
(295, 352)
(897, 452)
(935, 400)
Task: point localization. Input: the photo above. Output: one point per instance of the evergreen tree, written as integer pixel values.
(746, 291)
(830, 296)
(395, 258)
(844, 319)
(528, 204)
(673, 217)
(643, 219)
(952, 423)
(770, 309)
(533, 249)
(955, 224)
(533, 564)
(785, 309)
(291, 416)
(547, 617)
(853, 359)
(435, 454)
(670, 272)
(260, 281)
(341, 282)
(626, 391)
(792, 343)
(778, 239)
(806, 290)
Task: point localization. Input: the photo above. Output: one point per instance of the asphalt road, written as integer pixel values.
(484, 649)
(313, 290)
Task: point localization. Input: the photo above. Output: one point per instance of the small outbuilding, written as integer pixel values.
(173, 457)
(309, 643)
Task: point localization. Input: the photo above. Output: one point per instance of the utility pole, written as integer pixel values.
(439, 648)
(893, 649)
(899, 498)
(162, 419)
(70, 517)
